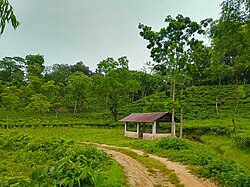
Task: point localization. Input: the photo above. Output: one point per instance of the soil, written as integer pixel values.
(138, 176)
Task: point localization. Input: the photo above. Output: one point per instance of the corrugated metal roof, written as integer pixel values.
(144, 117)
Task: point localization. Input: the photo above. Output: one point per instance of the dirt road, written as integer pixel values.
(138, 176)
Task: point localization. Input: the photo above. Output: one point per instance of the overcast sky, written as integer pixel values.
(91, 30)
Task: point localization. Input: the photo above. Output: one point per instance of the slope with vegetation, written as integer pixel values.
(206, 86)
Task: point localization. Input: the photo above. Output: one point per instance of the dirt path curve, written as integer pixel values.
(186, 178)
(137, 174)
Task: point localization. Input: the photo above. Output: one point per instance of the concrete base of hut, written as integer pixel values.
(146, 136)
(131, 134)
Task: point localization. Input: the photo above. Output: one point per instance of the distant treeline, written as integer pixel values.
(180, 60)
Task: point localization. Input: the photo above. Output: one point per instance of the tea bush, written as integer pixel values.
(173, 143)
(205, 161)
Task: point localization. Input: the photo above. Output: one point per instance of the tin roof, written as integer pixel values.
(146, 117)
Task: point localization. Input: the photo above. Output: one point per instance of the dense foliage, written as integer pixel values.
(191, 79)
(207, 163)
(181, 60)
(27, 161)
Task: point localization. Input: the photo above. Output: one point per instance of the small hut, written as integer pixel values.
(140, 119)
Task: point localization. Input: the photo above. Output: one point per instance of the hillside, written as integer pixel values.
(200, 102)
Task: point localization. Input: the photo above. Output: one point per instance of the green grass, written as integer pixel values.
(206, 156)
(23, 155)
(225, 146)
(205, 161)
(115, 176)
(113, 136)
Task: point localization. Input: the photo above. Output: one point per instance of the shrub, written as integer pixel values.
(242, 139)
(173, 143)
(83, 167)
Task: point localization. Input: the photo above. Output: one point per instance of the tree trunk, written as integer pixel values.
(236, 79)
(216, 105)
(173, 109)
(233, 115)
(114, 112)
(75, 109)
(106, 101)
(7, 126)
(142, 96)
(56, 113)
(233, 121)
(181, 119)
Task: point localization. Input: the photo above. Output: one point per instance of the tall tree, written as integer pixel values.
(78, 86)
(10, 100)
(149, 83)
(39, 104)
(52, 92)
(11, 71)
(109, 64)
(80, 67)
(34, 65)
(115, 83)
(169, 48)
(199, 63)
(59, 73)
(230, 38)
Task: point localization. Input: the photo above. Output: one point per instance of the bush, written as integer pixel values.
(206, 161)
(83, 167)
(54, 162)
(173, 143)
(242, 139)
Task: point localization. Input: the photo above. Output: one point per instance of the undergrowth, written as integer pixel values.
(28, 161)
(206, 161)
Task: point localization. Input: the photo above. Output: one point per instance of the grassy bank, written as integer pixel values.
(217, 157)
(43, 159)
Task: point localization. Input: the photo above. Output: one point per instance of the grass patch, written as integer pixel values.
(115, 176)
(225, 146)
(114, 136)
(217, 162)
(40, 161)
(207, 162)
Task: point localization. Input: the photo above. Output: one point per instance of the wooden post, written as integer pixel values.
(154, 128)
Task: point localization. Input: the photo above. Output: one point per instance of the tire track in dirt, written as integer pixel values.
(186, 178)
(137, 174)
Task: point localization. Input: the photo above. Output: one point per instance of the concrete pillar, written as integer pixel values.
(138, 130)
(154, 128)
(126, 127)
